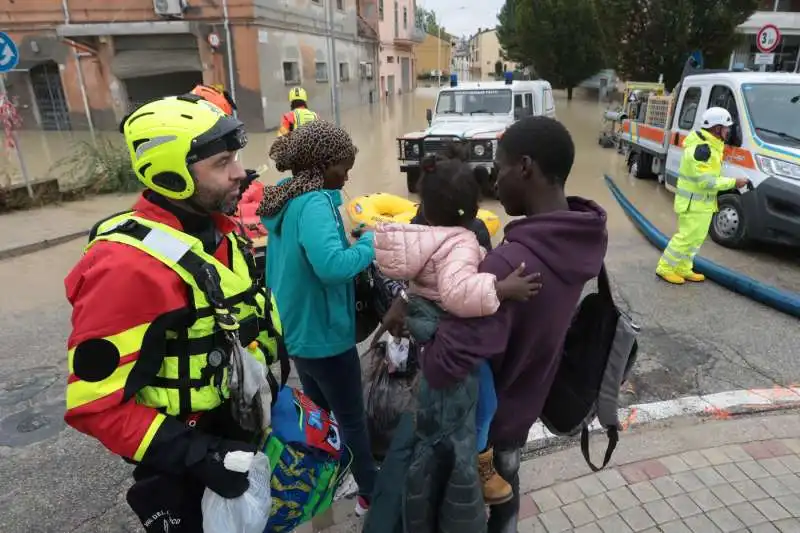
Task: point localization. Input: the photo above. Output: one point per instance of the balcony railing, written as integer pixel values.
(414, 35)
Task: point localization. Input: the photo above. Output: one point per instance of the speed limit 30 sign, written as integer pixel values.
(768, 38)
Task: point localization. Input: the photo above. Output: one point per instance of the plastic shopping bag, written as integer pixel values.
(249, 513)
(387, 395)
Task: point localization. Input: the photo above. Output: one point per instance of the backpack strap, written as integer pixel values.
(604, 284)
(613, 439)
(624, 342)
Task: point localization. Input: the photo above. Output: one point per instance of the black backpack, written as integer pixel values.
(599, 350)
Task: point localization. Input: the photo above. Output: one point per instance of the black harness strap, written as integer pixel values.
(207, 279)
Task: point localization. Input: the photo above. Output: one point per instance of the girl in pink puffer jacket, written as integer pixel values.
(441, 261)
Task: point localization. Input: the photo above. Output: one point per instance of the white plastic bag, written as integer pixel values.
(249, 513)
(397, 353)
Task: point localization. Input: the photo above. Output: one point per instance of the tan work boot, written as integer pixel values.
(495, 489)
(693, 276)
(671, 277)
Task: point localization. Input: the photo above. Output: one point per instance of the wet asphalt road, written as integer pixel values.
(695, 339)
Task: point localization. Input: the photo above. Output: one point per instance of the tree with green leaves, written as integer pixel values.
(429, 22)
(653, 37)
(562, 39)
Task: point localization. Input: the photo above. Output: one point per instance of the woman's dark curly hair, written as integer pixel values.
(448, 191)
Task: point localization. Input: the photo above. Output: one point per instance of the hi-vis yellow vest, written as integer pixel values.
(699, 178)
(302, 116)
(193, 374)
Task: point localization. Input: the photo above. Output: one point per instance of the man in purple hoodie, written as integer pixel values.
(562, 237)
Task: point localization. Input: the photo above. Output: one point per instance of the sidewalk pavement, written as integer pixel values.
(685, 475)
(36, 229)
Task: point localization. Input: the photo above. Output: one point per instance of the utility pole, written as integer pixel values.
(332, 70)
(439, 59)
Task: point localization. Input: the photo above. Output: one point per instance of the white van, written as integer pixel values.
(475, 113)
(764, 146)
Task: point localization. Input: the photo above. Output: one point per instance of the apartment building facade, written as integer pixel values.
(433, 54)
(785, 14)
(399, 32)
(111, 56)
(484, 52)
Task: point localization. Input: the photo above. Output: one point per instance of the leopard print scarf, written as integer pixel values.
(306, 151)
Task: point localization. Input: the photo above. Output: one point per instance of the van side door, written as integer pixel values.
(691, 105)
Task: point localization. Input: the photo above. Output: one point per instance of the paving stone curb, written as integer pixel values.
(24, 249)
(695, 455)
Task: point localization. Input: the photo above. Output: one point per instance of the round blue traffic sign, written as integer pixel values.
(9, 53)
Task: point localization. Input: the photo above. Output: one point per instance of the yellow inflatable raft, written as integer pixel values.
(383, 207)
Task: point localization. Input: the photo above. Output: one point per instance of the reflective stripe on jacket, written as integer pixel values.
(699, 178)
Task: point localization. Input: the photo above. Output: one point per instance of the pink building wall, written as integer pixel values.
(397, 31)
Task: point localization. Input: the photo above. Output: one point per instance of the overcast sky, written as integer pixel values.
(458, 21)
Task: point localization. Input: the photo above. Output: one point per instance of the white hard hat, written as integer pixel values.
(717, 116)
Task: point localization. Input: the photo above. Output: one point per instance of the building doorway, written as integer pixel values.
(49, 95)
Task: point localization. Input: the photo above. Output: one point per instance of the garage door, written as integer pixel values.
(153, 55)
(156, 66)
(146, 88)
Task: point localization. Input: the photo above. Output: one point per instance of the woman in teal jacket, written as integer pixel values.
(311, 267)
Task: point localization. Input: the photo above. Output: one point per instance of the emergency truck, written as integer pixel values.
(764, 146)
(473, 114)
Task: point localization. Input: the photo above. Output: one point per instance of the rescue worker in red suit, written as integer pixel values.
(148, 362)
(299, 115)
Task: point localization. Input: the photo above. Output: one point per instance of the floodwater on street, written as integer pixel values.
(695, 339)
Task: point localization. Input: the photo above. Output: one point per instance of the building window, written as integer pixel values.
(344, 72)
(321, 72)
(396, 20)
(366, 68)
(788, 6)
(380, 9)
(340, 5)
(390, 59)
(317, 2)
(291, 72)
(405, 18)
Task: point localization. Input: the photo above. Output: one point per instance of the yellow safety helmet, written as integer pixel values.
(165, 136)
(298, 93)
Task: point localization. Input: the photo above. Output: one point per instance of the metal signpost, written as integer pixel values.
(9, 58)
(767, 41)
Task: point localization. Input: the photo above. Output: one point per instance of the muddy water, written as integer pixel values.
(375, 129)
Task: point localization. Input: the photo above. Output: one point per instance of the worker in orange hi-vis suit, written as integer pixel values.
(299, 115)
